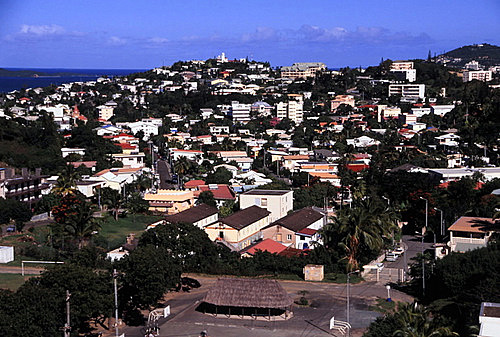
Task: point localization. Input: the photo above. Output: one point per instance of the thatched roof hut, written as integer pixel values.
(248, 293)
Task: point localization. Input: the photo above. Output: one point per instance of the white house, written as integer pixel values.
(489, 318)
(6, 254)
(66, 151)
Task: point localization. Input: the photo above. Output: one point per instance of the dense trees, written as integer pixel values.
(37, 308)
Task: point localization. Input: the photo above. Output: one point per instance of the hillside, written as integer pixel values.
(485, 54)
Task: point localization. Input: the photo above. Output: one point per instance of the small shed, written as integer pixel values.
(6, 254)
(248, 299)
(314, 272)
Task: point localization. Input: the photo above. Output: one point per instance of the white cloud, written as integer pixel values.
(117, 41)
(158, 40)
(41, 30)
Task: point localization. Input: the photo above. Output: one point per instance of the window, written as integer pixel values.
(263, 202)
(221, 234)
(302, 237)
(289, 237)
(279, 237)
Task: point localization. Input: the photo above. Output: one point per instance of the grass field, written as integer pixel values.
(12, 281)
(116, 231)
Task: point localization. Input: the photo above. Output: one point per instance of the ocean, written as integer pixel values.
(8, 84)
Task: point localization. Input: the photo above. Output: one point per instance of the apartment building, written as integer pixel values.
(480, 75)
(407, 90)
(27, 187)
(292, 110)
(401, 65)
(302, 70)
(240, 113)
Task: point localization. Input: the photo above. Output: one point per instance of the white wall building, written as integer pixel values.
(407, 90)
(480, 75)
(239, 112)
(6, 254)
(278, 202)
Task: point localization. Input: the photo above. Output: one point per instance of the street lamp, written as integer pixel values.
(348, 294)
(423, 263)
(426, 213)
(388, 287)
(442, 223)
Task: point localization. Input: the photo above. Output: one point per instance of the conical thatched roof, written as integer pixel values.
(252, 293)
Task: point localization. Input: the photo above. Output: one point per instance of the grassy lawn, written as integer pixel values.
(12, 281)
(383, 306)
(116, 231)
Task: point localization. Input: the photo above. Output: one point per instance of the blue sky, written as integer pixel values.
(144, 34)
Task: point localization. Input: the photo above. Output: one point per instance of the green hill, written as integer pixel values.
(486, 54)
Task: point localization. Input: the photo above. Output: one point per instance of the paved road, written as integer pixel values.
(165, 173)
(413, 248)
(326, 300)
(17, 270)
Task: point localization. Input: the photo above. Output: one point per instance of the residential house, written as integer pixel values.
(170, 201)
(298, 229)
(66, 151)
(266, 245)
(292, 162)
(201, 216)
(278, 202)
(221, 193)
(132, 159)
(193, 155)
(468, 233)
(450, 174)
(239, 112)
(341, 99)
(240, 229)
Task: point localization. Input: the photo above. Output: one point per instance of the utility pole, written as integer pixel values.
(348, 296)
(115, 275)
(67, 327)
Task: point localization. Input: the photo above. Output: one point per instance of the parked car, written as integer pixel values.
(398, 251)
(391, 257)
(11, 229)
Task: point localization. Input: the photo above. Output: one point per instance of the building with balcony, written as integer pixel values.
(479, 75)
(170, 201)
(302, 70)
(28, 187)
(407, 90)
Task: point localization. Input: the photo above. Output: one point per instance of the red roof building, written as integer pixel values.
(267, 245)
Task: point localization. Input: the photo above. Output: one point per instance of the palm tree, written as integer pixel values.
(417, 321)
(183, 166)
(367, 223)
(112, 199)
(66, 183)
(82, 224)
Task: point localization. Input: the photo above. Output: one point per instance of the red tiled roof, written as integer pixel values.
(357, 167)
(222, 192)
(474, 224)
(194, 183)
(307, 231)
(446, 184)
(126, 146)
(267, 245)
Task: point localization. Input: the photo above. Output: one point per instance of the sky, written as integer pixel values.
(142, 34)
